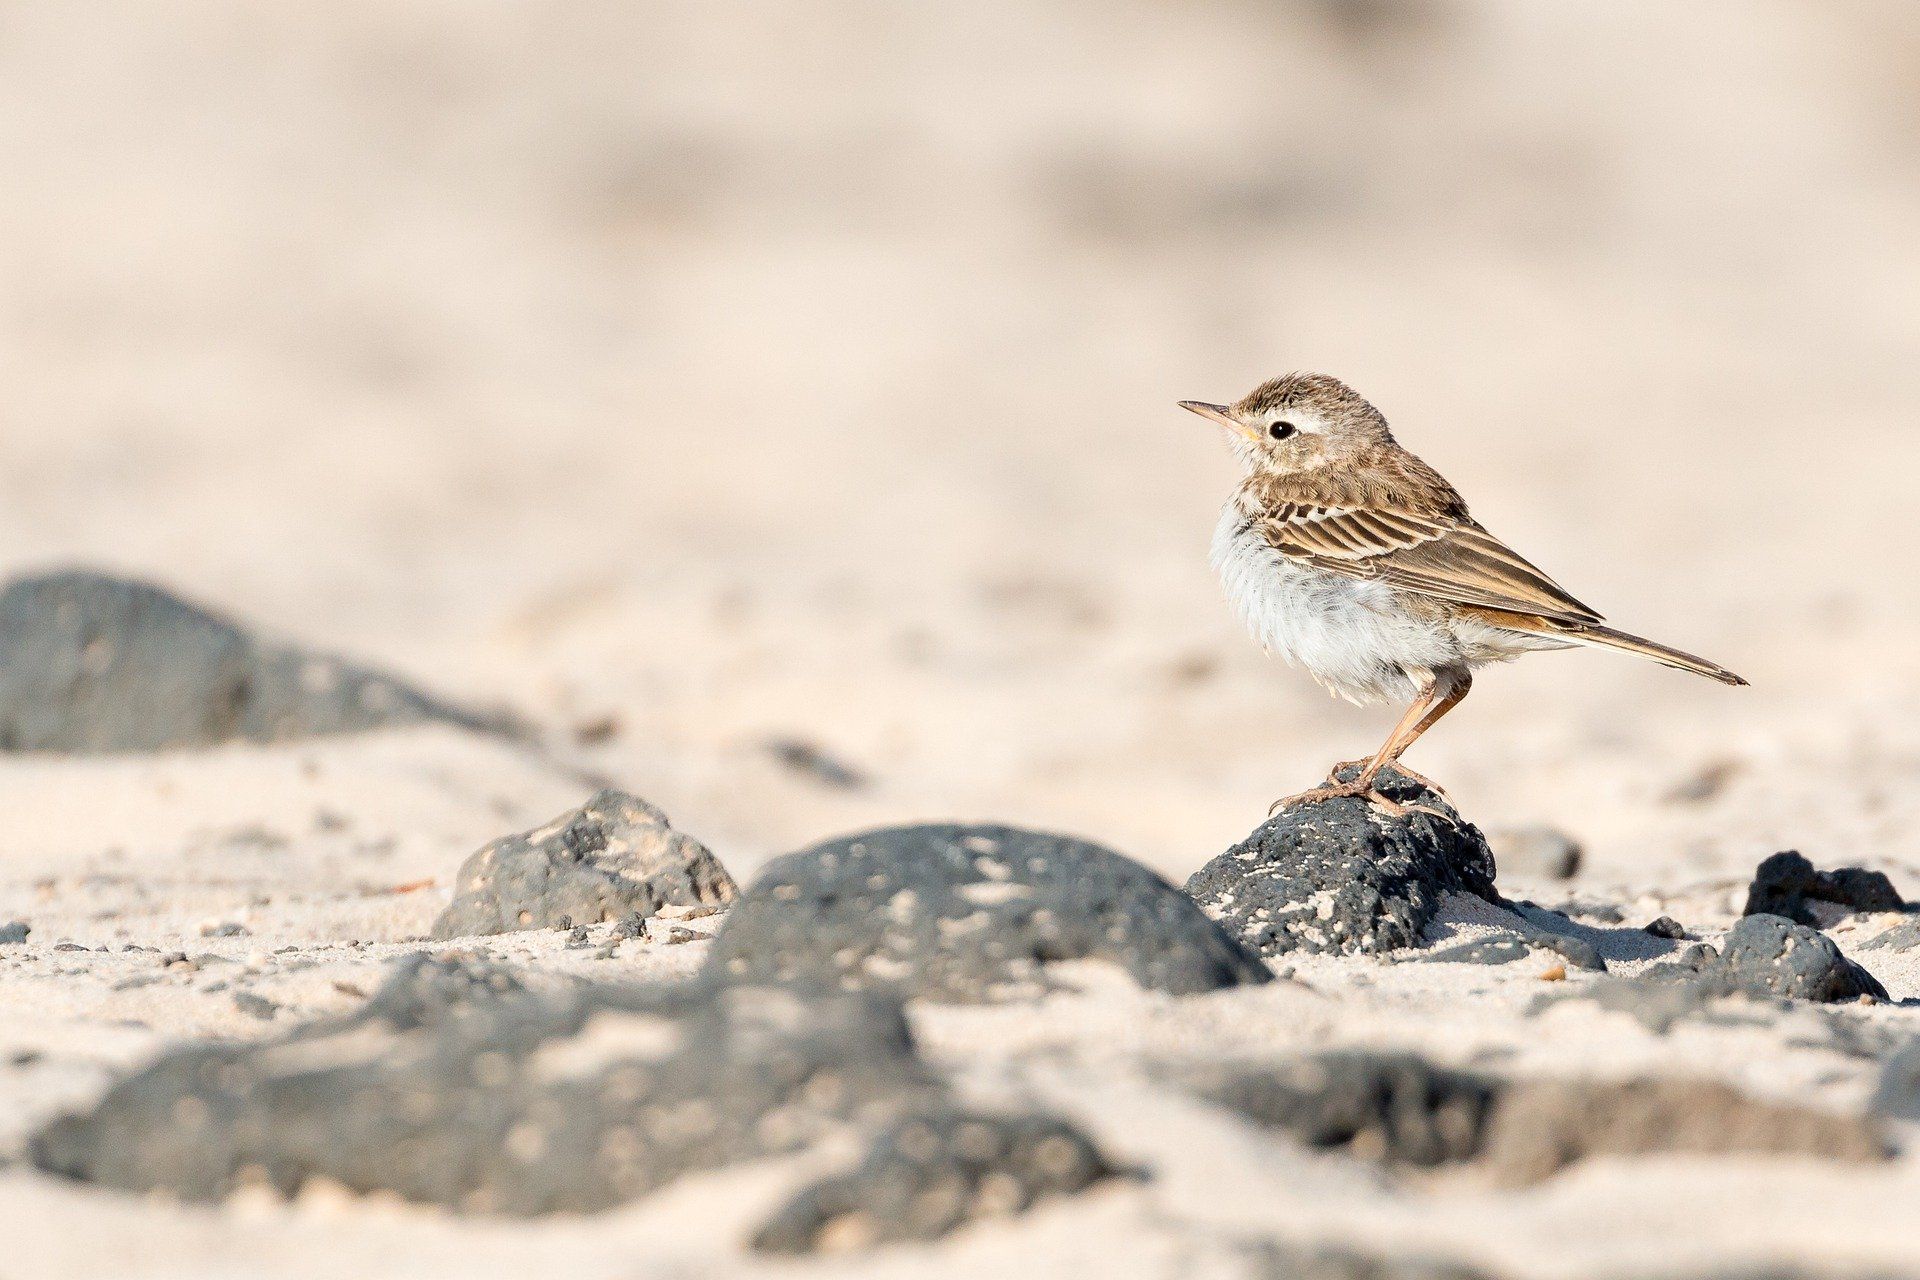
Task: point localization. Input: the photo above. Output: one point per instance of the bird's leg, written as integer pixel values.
(1440, 695)
(1449, 690)
(1452, 688)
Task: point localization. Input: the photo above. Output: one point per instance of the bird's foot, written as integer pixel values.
(1360, 787)
(1419, 779)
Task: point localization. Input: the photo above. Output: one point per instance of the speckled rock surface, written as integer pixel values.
(458, 1087)
(1770, 956)
(969, 913)
(97, 663)
(929, 1174)
(1394, 1107)
(614, 857)
(1786, 884)
(1342, 876)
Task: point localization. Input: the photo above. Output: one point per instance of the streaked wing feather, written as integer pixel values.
(1449, 559)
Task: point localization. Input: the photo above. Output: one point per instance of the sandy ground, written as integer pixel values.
(693, 378)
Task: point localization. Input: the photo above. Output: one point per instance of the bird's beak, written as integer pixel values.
(1217, 413)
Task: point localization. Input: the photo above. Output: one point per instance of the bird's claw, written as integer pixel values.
(1354, 790)
(1420, 779)
(1343, 791)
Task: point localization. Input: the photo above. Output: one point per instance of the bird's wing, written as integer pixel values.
(1446, 557)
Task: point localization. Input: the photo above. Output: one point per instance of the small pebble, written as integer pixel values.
(666, 933)
(1666, 927)
(257, 1006)
(1556, 974)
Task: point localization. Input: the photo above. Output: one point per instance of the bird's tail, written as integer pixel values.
(1607, 638)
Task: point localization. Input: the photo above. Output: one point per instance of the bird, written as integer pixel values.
(1352, 558)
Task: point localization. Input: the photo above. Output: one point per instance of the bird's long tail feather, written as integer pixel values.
(1607, 638)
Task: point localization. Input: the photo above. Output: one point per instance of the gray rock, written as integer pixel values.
(433, 994)
(968, 913)
(616, 857)
(1402, 1109)
(1902, 937)
(1548, 936)
(103, 664)
(13, 932)
(930, 1174)
(1392, 1107)
(1525, 936)
(1504, 949)
(1341, 876)
(1785, 883)
(1666, 927)
(1538, 852)
(456, 1086)
(1769, 956)
(1541, 1127)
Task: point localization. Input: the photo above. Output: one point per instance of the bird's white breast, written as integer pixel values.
(1355, 637)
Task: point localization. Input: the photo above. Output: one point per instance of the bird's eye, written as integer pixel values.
(1281, 430)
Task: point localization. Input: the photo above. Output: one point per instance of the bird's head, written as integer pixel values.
(1300, 422)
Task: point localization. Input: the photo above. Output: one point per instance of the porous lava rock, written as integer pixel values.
(968, 914)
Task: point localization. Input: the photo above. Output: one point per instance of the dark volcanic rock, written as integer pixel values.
(448, 1091)
(968, 913)
(102, 664)
(1504, 949)
(1343, 876)
(1392, 1107)
(932, 1173)
(1769, 956)
(1403, 1109)
(1902, 937)
(456, 1085)
(1785, 883)
(1541, 1127)
(1666, 927)
(14, 931)
(614, 858)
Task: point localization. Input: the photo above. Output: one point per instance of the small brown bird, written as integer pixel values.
(1352, 558)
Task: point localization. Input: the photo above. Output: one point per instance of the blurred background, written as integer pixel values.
(773, 401)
